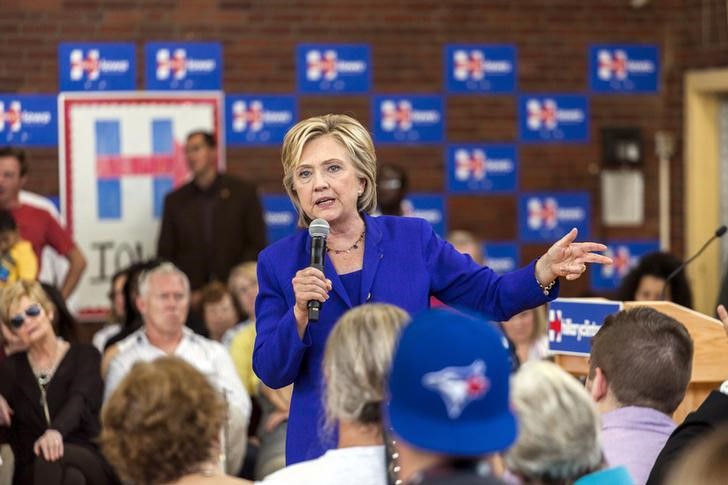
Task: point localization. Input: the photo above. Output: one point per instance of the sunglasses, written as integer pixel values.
(18, 320)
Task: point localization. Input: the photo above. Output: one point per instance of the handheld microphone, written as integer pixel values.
(318, 230)
(718, 233)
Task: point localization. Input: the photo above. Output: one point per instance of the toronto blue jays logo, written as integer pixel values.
(458, 386)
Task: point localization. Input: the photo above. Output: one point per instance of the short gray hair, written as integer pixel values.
(558, 438)
(163, 269)
(357, 359)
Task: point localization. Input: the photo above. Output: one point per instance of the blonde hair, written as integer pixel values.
(347, 131)
(162, 421)
(357, 359)
(24, 288)
(549, 446)
(540, 323)
(247, 270)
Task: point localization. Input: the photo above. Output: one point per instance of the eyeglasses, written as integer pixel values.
(18, 320)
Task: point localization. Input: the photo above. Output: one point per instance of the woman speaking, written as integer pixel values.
(329, 169)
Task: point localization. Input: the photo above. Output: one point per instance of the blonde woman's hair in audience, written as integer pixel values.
(558, 436)
(161, 423)
(357, 359)
(705, 463)
(23, 288)
(465, 242)
(246, 270)
(347, 131)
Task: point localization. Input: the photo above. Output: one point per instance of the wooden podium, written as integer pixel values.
(710, 357)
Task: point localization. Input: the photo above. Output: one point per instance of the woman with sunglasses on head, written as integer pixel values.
(50, 396)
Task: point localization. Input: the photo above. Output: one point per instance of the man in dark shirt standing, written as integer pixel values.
(213, 222)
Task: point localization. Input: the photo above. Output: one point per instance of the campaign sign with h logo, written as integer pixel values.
(482, 168)
(96, 67)
(258, 120)
(479, 68)
(28, 120)
(280, 216)
(624, 68)
(626, 255)
(428, 207)
(120, 155)
(501, 257)
(553, 118)
(547, 217)
(183, 66)
(408, 119)
(333, 68)
(573, 323)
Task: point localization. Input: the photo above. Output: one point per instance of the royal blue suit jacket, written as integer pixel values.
(405, 262)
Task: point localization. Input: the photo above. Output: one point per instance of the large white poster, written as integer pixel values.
(120, 155)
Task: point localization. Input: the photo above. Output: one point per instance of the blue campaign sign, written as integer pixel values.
(258, 120)
(547, 217)
(29, 119)
(626, 255)
(573, 323)
(280, 216)
(482, 168)
(408, 119)
(478, 68)
(501, 257)
(553, 118)
(333, 68)
(183, 66)
(97, 66)
(428, 207)
(624, 68)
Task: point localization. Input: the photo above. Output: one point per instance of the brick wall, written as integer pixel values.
(552, 37)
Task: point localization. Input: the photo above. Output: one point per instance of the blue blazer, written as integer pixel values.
(405, 262)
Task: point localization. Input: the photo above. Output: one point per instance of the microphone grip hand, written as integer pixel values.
(309, 284)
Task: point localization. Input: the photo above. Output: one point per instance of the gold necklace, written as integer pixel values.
(349, 249)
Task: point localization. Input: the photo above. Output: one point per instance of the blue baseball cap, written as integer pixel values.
(448, 390)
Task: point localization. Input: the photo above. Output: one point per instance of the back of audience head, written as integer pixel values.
(641, 357)
(448, 389)
(558, 436)
(357, 359)
(465, 242)
(646, 281)
(243, 284)
(705, 463)
(162, 422)
(218, 309)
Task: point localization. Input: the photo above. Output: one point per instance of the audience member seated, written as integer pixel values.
(162, 424)
(639, 370)
(448, 403)
(711, 414)
(527, 332)
(164, 301)
(356, 360)
(558, 430)
(50, 396)
(219, 313)
(706, 463)
(274, 404)
(132, 318)
(17, 258)
(465, 242)
(116, 311)
(646, 281)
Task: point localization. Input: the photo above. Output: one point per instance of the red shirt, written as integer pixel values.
(40, 228)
